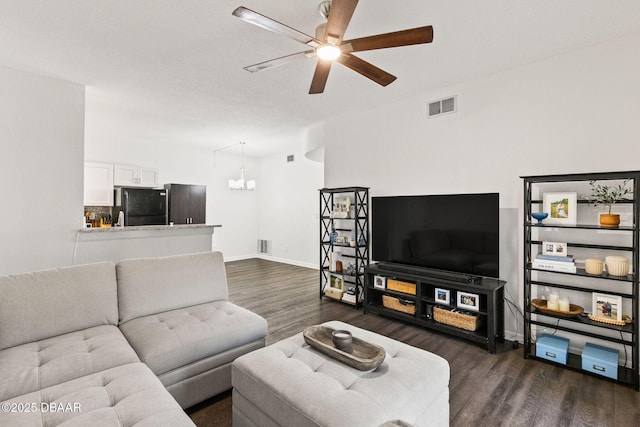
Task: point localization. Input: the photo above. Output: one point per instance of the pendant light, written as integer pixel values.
(242, 183)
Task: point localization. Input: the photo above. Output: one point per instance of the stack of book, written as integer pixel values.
(565, 264)
(349, 296)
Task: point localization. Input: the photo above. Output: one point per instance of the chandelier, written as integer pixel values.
(241, 183)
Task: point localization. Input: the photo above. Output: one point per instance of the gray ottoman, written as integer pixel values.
(291, 384)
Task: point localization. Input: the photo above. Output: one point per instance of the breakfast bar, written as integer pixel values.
(118, 243)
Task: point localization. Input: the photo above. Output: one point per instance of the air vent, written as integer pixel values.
(290, 158)
(442, 106)
(264, 247)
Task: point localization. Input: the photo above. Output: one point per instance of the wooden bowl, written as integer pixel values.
(541, 305)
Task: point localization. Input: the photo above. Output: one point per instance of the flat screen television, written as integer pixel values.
(455, 232)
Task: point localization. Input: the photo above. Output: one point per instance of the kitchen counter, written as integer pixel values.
(118, 243)
(149, 228)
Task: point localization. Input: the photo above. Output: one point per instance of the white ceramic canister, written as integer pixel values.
(594, 266)
(617, 265)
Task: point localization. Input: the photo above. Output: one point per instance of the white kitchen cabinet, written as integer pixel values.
(98, 184)
(135, 176)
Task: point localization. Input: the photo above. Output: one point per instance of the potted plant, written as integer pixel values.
(605, 195)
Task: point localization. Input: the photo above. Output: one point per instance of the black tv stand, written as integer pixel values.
(490, 296)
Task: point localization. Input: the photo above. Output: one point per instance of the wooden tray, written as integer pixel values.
(541, 305)
(363, 356)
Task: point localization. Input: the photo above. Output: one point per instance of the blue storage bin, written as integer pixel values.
(600, 360)
(552, 348)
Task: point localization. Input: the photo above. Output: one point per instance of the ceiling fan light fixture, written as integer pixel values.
(321, 30)
(329, 45)
(328, 52)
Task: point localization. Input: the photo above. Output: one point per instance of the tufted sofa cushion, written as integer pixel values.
(127, 395)
(291, 384)
(172, 339)
(29, 367)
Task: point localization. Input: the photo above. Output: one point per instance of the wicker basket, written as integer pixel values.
(333, 293)
(399, 286)
(396, 304)
(458, 320)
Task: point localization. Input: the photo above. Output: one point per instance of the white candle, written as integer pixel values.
(552, 304)
(563, 304)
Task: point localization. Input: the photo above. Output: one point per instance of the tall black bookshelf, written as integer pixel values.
(344, 235)
(588, 238)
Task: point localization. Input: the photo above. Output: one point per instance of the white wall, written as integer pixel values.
(237, 212)
(41, 135)
(289, 207)
(577, 112)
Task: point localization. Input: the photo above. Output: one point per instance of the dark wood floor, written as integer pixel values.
(485, 389)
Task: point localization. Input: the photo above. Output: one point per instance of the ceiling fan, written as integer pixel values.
(328, 45)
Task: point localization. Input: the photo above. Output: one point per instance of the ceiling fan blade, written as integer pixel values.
(320, 77)
(368, 70)
(255, 18)
(279, 61)
(340, 14)
(396, 39)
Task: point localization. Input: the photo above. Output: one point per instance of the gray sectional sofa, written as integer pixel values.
(121, 344)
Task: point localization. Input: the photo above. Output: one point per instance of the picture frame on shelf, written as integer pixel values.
(379, 282)
(561, 207)
(442, 296)
(341, 208)
(335, 281)
(468, 301)
(607, 306)
(554, 248)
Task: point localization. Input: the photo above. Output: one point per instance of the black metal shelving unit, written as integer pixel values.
(626, 336)
(356, 223)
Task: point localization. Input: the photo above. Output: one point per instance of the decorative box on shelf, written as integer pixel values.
(456, 318)
(333, 293)
(400, 286)
(552, 348)
(600, 360)
(397, 304)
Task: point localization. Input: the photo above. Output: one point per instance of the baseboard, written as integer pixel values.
(239, 257)
(272, 258)
(287, 261)
(513, 336)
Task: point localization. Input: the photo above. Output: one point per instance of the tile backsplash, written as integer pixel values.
(104, 212)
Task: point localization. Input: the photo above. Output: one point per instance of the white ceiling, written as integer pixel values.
(171, 70)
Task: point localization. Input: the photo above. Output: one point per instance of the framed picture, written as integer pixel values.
(335, 281)
(341, 208)
(442, 296)
(561, 207)
(607, 306)
(379, 282)
(554, 248)
(469, 301)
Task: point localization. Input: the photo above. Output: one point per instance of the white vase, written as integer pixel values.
(594, 266)
(617, 265)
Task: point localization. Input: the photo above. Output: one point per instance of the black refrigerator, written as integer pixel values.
(143, 206)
